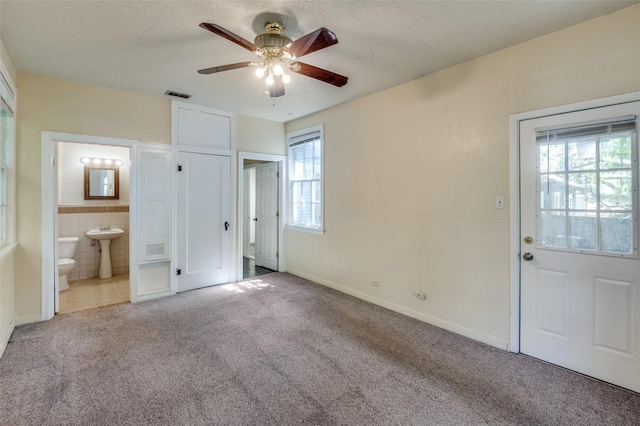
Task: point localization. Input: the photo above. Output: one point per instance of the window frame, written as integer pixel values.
(293, 138)
(8, 96)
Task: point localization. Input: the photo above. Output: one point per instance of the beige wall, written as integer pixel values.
(47, 104)
(411, 174)
(258, 135)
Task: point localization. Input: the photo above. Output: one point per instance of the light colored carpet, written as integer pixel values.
(281, 351)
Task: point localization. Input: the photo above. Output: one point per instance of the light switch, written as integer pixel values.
(499, 201)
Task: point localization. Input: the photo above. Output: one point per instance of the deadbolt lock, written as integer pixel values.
(528, 240)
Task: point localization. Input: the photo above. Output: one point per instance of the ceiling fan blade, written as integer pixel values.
(319, 74)
(217, 29)
(319, 39)
(277, 88)
(225, 67)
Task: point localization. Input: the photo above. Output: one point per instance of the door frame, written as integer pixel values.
(282, 160)
(514, 194)
(246, 199)
(49, 205)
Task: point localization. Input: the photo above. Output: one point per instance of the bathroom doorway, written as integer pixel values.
(93, 193)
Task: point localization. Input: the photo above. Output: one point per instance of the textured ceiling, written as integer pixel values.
(152, 46)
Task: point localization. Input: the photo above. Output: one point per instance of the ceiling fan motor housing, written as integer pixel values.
(273, 37)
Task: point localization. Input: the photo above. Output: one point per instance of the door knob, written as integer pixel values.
(255, 219)
(527, 256)
(226, 226)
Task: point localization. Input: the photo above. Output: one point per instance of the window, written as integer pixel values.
(587, 183)
(306, 180)
(7, 137)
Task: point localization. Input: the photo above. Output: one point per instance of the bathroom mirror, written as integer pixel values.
(101, 182)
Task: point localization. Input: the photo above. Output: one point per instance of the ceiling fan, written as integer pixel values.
(278, 54)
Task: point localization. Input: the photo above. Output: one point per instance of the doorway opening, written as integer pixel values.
(92, 272)
(260, 214)
(72, 205)
(260, 242)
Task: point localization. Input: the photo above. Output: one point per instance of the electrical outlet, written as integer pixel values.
(499, 201)
(375, 283)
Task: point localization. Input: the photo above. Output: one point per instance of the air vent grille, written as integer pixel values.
(155, 249)
(177, 94)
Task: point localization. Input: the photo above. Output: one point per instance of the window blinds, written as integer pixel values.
(589, 128)
(302, 139)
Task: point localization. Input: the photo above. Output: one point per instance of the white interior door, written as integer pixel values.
(247, 220)
(204, 220)
(267, 215)
(580, 273)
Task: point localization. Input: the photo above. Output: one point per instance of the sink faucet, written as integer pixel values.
(105, 228)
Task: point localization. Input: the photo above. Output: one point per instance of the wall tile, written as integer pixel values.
(88, 257)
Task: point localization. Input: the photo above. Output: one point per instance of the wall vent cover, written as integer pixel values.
(177, 94)
(155, 249)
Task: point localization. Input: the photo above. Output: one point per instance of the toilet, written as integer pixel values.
(66, 263)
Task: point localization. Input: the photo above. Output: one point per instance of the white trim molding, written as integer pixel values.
(514, 191)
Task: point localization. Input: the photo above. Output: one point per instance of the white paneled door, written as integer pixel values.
(267, 215)
(580, 273)
(204, 220)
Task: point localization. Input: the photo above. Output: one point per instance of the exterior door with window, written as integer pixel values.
(266, 219)
(580, 273)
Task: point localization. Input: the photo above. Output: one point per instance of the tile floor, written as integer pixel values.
(250, 270)
(92, 293)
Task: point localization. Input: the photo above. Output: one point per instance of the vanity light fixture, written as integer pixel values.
(105, 161)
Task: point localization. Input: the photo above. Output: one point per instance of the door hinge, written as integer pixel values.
(178, 271)
(277, 254)
(277, 214)
(277, 174)
(179, 167)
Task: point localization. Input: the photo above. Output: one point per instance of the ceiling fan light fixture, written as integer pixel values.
(277, 53)
(269, 79)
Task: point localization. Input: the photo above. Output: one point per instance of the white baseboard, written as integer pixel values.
(6, 335)
(153, 295)
(480, 337)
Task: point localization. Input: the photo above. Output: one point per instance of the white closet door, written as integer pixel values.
(154, 216)
(204, 220)
(154, 241)
(200, 127)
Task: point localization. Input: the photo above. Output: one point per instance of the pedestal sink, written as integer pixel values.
(104, 235)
